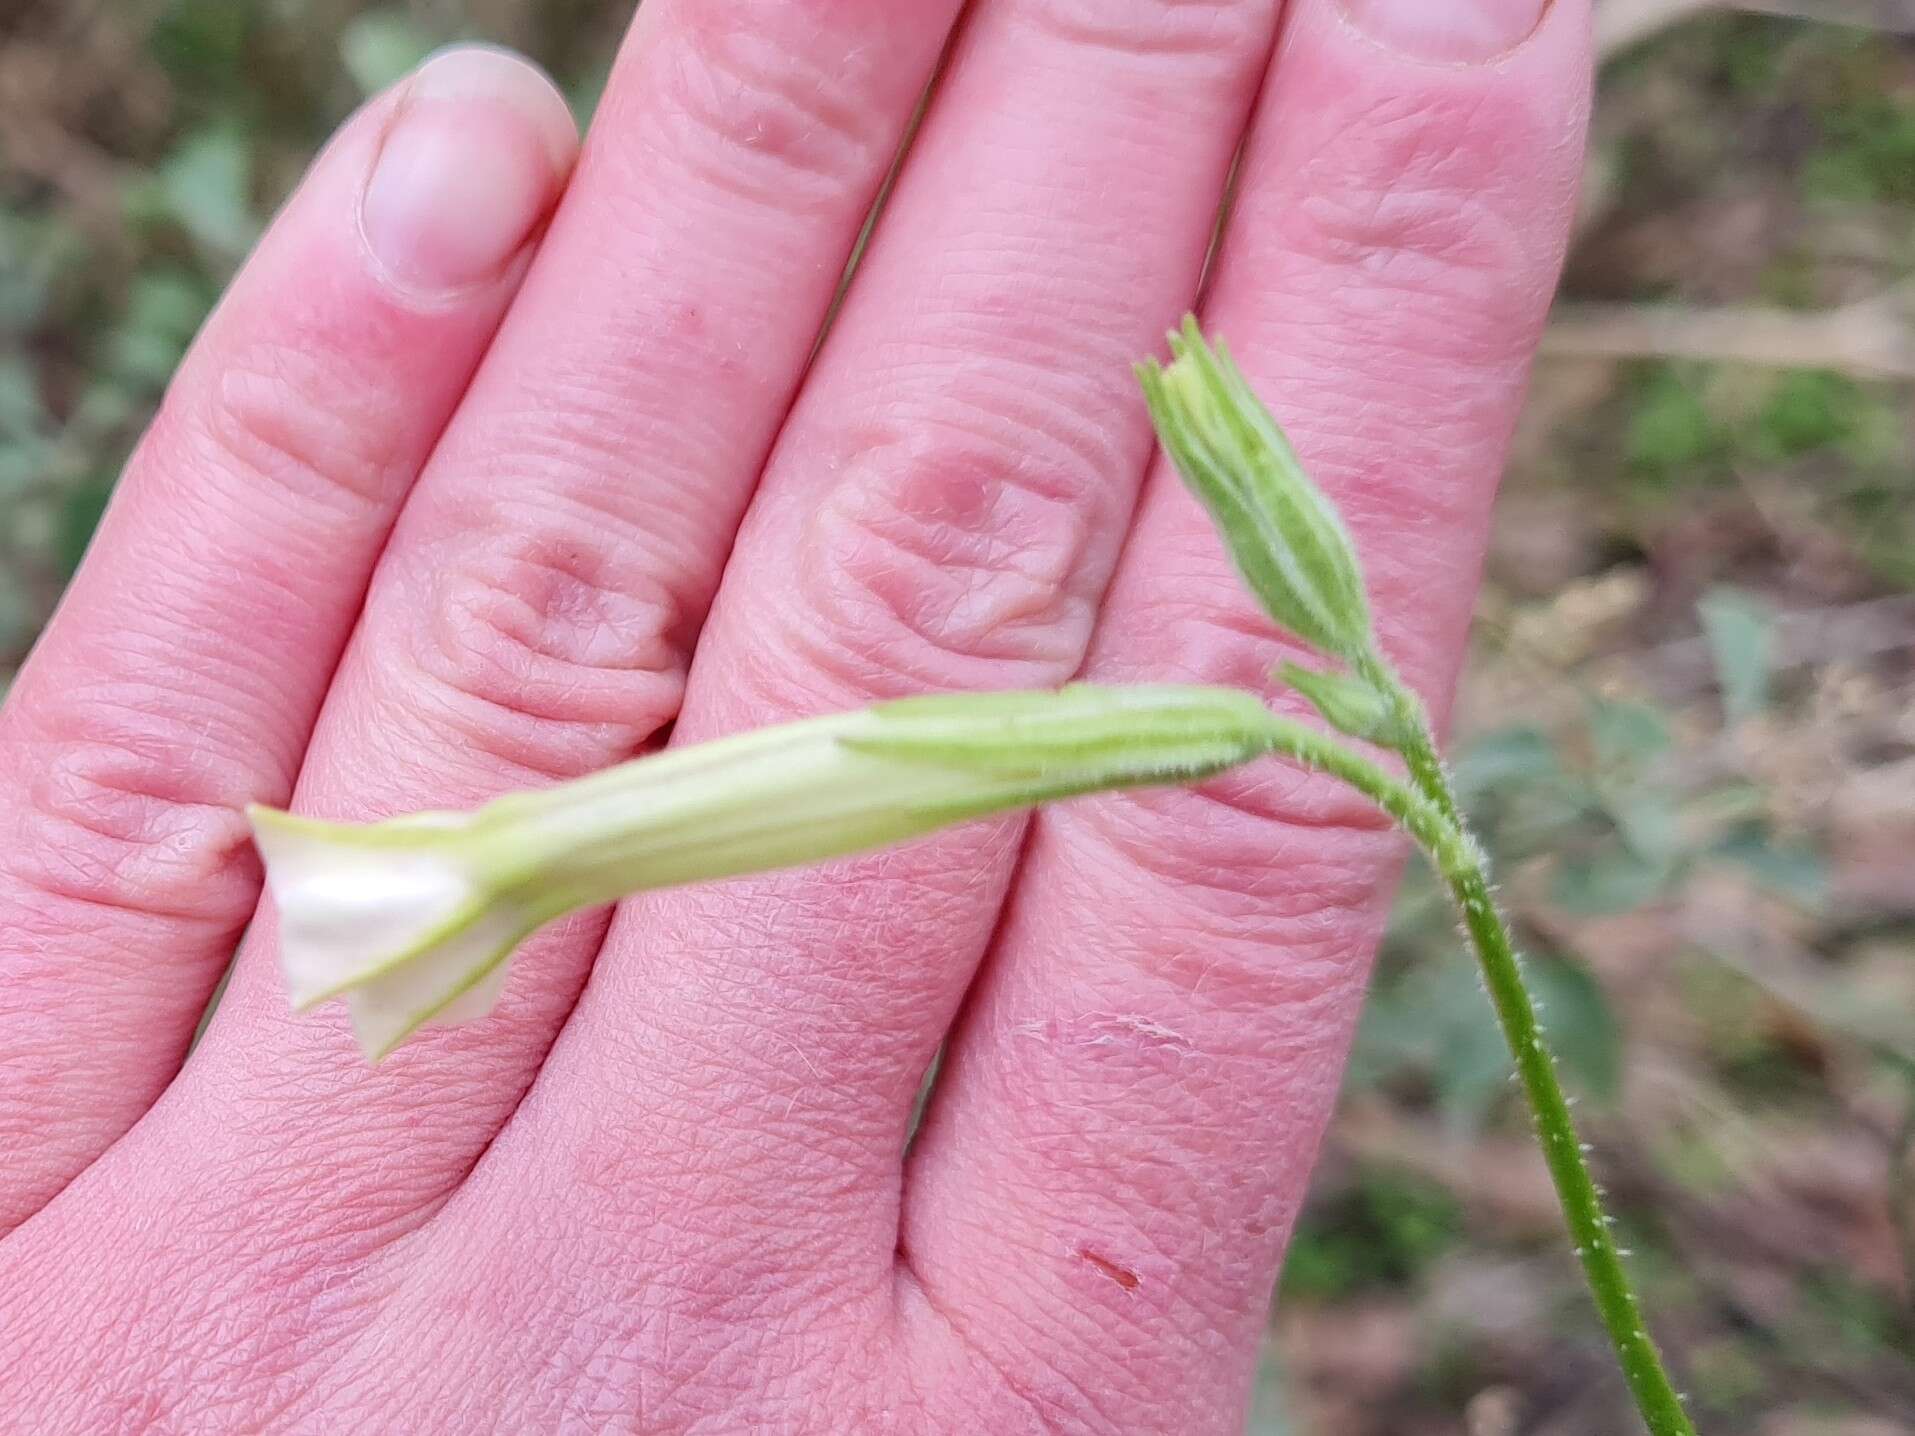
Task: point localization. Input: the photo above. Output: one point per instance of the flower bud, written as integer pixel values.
(1282, 533)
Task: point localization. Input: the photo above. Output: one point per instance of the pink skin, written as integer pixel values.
(690, 1211)
(189, 659)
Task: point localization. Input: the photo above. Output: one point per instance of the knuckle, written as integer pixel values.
(1259, 843)
(1261, 855)
(1409, 197)
(770, 119)
(549, 638)
(134, 823)
(1254, 906)
(288, 415)
(942, 558)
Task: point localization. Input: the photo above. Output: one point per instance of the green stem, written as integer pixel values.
(1464, 870)
(1416, 746)
(1602, 1265)
(1416, 814)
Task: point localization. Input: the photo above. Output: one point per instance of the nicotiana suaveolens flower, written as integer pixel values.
(413, 920)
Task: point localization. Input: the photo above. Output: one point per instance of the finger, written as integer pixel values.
(1129, 1111)
(529, 620)
(943, 510)
(535, 610)
(181, 678)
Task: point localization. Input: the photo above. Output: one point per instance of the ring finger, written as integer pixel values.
(720, 1125)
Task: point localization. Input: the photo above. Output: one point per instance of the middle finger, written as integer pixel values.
(942, 511)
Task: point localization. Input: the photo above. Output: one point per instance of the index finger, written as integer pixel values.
(190, 657)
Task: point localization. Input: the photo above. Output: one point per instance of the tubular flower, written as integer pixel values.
(413, 920)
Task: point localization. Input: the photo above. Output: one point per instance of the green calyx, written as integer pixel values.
(1283, 535)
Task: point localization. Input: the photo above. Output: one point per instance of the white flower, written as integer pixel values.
(395, 916)
(414, 919)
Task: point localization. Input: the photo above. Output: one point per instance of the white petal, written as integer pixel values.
(475, 1002)
(453, 981)
(348, 908)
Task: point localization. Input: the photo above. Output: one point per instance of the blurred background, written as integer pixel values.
(1688, 728)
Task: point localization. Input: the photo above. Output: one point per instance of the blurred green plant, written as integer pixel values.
(1618, 832)
(380, 47)
(1384, 1228)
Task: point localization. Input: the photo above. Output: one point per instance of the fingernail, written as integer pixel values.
(1457, 32)
(473, 159)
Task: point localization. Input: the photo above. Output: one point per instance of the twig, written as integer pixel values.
(1873, 337)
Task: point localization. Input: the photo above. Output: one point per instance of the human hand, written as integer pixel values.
(677, 1198)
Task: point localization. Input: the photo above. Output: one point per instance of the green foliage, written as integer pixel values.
(205, 187)
(1850, 1322)
(1811, 409)
(1384, 1230)
(1685, 430)
(380, 47)
(203, 44)
(1626, 738)
(1428, 1026)
(38, 252)
(1582, 1024)
(164, 310)
(1792, 868)
(1507, 760)
(1750, 54)
(1270, 1404)
(1670, 428)
(1867, 153)
(1725, 1373)
(1741, 637)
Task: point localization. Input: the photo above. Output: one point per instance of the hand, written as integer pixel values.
(677, 1198)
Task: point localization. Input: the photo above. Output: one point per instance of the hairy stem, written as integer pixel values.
(1427, 808)
(1582, 1206)
(1415, 813)
(1414, 744)
(1464, 870)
